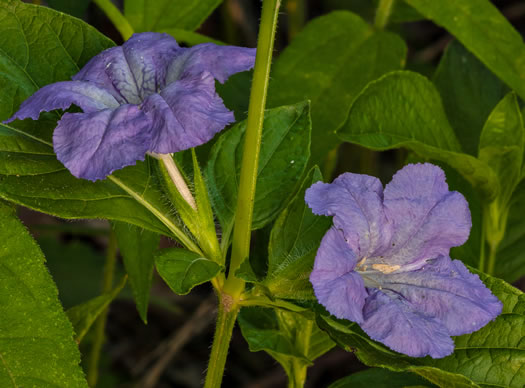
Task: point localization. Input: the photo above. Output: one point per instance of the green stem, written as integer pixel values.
(119, 21)
(226, 317)
(384, 9)
(299, 371)
(492, 260)
(100, 324)
(296, 11)
(252, 144)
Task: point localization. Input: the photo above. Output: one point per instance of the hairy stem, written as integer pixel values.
(384, 9)
(100, 324)
(119, 21)
(252, 145)
(226, 317)
(233, 287)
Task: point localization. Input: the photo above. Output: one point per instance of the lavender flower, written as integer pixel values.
(385, 262)
(148, 95)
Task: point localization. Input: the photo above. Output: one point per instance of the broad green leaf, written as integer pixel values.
(294, 240)
(84, 315)
(492, 356)
(36, 345)
(329, 63)
(403, 109)
(292, 339)
(401, 12)
(484, 31)
(283, 158)
(380, 378)
(469, 92)
(182, 270)
(158, 15)
(137, 247)
(501, 146)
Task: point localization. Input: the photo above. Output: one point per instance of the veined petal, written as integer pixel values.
(62, 95)
(186, 114)
(356, 202)
(135, 70)
(427, 218)
(220, 61)
(390, 319)
(336, 285)
(93, 145)
(446, 290)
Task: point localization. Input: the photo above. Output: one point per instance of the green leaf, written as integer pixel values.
(137, 247)
(292, 339)
(492, 356)
(34, 327)
(502, 144)
(162, 14)
(75, 8)
(403, 109)
(283, 158)
(84, 315)
(510, 257)
(380, 378)
(484, 31)
(294, 240)
(189, 37)
(329, 62)
(182, 270)
(469, 92)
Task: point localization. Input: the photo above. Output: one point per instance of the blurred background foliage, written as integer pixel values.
(172, 349)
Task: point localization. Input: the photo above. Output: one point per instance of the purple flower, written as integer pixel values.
(148, 95)
(385, 262)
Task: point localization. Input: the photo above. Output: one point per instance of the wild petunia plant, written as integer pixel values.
(141, 134)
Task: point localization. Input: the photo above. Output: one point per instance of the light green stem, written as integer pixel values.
(252, 144)
(100, 324)
(492, 260)
(233, 287)
(226, 317)
(384, 9)
(119, 21)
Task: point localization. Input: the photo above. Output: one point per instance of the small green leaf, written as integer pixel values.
(469, 92)
(182, 270)
(36, 345)
(484, 31)
(294, 240)
(137, 247)
(403, 109)
(501, 146)
(492, 356)
(162, 14)
(283, 158)
(329, 62)
(380, 378)
(84, 315)
(292, 339)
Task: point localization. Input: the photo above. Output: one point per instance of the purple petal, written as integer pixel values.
(427, 218)
(220, 61)
(336, 286)
(447, 291)
(186, 114)
(93, 145)
(62, 95)
(135, 70)
(355, 201)
(392, 320)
